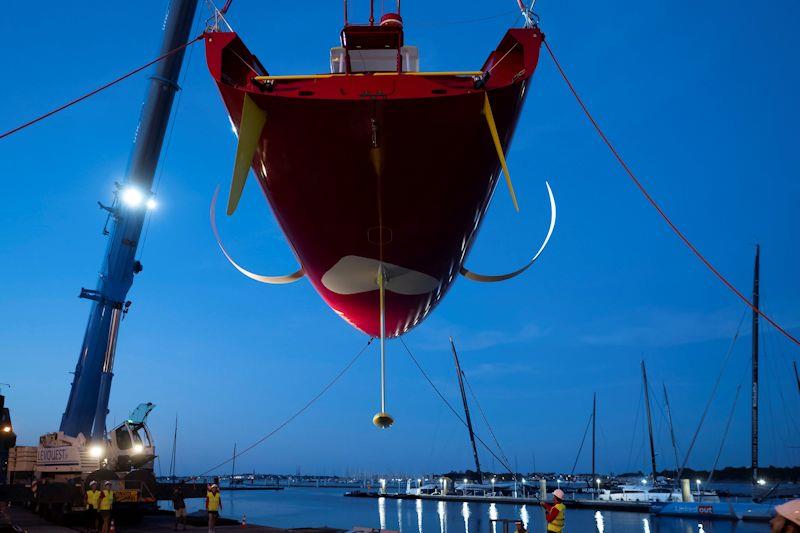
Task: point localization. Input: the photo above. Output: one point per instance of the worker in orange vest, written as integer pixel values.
(555, 512)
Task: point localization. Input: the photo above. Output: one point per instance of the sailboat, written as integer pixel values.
(652, 489)
(735, 510)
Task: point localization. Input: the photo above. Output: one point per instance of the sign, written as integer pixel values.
(126, 496)
(705, 509)
(57, 455)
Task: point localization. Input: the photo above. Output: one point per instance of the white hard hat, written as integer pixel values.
(558, 493)
(790, 511)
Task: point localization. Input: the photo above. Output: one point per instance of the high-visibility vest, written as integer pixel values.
(107, 500)
(93, 498)
(557, 525)
(212, 501)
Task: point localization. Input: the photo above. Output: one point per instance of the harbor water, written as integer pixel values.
(312, 507)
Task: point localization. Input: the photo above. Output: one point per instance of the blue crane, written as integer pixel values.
(87, 406)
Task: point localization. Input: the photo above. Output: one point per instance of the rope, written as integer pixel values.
(99, 89)
(485, 420)
(452, 409)
(296, 414)
(725, 433)
(711, 396)
(580, 449)
(635, 426)
(445, 23)
(658, 208)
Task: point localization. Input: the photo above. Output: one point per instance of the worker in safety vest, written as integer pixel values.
(105, 505)
(213, 505)
(555, 512)
(93, 505)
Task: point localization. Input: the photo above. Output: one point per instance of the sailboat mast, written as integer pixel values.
(233, 466)
(594, 433)
(466, 410)
(174, 450)
(671, 428)
(754, 413)
(649, 421)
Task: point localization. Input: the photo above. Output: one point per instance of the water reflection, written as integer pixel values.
(470, 517)
(523, 514)
(599, 522)
(465, 514)
(382, 512)
(400, 515)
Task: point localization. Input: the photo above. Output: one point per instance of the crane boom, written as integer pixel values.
(88, 399)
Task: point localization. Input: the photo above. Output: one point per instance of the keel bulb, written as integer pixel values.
(382, 420)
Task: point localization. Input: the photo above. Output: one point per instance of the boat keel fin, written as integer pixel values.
(375, 157)
(487, 278)
(272, 280)
(253, 120)
(487, 112)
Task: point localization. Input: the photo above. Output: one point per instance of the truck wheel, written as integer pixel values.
(57, 512)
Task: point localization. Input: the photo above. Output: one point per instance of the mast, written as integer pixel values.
(754, 412)
(649, 421)
(87, 405)
(174, 450)
(594, 433)
(233, 466)
(671, 428)
(460, 375)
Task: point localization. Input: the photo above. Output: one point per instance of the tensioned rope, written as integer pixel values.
(485, 420)
(727, 427)
(99, 89)
(583, 440)
(725, 362)
(296, 414)
(450, 406)
(657, 207)
(452, 409)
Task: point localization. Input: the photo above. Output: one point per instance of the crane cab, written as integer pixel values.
(130, 444)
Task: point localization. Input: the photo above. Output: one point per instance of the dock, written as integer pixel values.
(601, 505)
(161, 521)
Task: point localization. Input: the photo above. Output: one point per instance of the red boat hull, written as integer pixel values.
(369, 170)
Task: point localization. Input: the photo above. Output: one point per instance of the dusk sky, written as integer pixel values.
(701, 99)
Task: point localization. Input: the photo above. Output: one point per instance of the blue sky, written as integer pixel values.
(699, 97)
